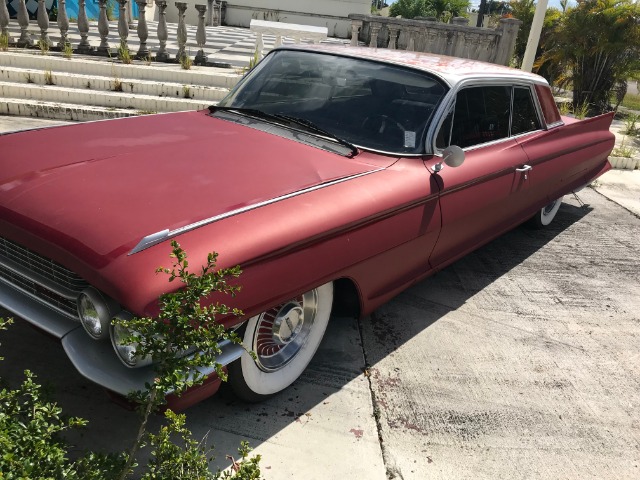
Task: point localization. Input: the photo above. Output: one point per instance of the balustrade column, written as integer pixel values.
(411, 44)
(375, 30)
(182, 30)
(201, 36)
(25, 39)
(123, 25)
(4, 20)
(43, 23)
(83, 26)
(63, 23)
(393, 36)
(162, 55)
(143, 32)
(210, 8)
(103, 27)
(356, 25)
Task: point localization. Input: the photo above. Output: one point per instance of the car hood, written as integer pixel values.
(97, 189)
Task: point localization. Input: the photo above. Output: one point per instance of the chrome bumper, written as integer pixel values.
(95, 360)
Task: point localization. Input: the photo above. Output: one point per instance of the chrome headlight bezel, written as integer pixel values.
(95, 312)
(126, 352)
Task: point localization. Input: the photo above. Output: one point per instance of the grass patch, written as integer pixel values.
(67, 51)
(48, 78)
(631, 101)
(4, 43)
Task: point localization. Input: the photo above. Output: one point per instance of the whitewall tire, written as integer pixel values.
(546, 215)
(284, 339)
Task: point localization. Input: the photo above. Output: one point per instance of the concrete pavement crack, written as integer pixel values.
(392, 473)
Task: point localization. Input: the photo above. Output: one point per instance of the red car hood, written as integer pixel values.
(97, 189)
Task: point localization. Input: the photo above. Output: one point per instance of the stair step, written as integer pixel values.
(109, 99)
(158, 72)
(128, 85)
(60, 111)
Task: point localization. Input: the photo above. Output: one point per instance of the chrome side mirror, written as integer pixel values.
(452, 156)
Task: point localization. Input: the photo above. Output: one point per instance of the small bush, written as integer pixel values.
(31, 445)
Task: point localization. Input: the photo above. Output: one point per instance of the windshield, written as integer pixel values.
(376, 106)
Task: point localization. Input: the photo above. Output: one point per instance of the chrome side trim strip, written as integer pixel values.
(155, 238)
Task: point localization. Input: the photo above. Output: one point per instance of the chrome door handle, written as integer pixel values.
(524, 169)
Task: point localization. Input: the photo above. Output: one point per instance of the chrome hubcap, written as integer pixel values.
(283, 330)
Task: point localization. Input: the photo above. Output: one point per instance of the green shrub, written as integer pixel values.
(31, 425)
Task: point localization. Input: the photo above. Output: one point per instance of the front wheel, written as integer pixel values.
(546, 215)
(284, 339)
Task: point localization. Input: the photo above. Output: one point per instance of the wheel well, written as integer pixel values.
(346, 298)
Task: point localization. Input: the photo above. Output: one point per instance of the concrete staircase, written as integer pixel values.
(86, 88)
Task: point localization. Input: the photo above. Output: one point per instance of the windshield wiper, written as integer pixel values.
(278, 118)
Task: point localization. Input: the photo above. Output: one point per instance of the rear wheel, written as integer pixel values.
(546, 215)
(284, 339)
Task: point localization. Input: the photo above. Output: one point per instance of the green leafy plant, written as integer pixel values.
(48, 78)
(28, 77)
(183, 338)
(592, 47)
(186, 91)
(67, 50)
(4, 42)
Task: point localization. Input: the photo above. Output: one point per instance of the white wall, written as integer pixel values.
(332, 14)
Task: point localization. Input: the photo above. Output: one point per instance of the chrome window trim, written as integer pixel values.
(449, 101)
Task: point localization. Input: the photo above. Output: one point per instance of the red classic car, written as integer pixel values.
(335, 176)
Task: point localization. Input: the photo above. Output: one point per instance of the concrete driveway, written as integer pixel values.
(519, 361)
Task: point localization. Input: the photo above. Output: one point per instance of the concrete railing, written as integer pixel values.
(26, 38)
(456, 39)
(279, 30)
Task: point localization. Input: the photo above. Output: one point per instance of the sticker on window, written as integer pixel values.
(409, 139)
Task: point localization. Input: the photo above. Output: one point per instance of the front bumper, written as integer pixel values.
(95, 360)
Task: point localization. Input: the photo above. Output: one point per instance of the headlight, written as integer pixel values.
(95, 312)
(126, 351)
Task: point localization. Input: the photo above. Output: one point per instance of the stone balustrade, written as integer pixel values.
(279, 30)
(456, 39)
(210, 12)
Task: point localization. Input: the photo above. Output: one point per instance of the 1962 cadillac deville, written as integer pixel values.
(335, 176)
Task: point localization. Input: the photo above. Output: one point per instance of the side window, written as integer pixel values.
(525, 117)
(481, 115)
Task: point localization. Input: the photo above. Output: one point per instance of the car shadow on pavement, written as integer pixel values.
(333, 380)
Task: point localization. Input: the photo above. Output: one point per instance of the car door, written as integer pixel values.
(487, 194)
